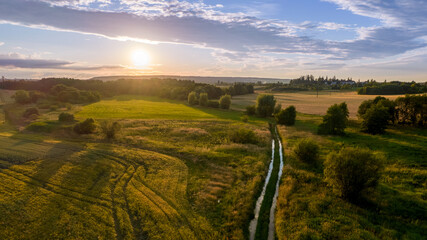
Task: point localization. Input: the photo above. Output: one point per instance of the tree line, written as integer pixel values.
(165, 88)
(375, 88)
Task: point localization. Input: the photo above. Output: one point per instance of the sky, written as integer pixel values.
(361, 39)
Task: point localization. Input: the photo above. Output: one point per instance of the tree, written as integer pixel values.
(265, 105)
(22, 97)
(203, 99)
(66, 117)
(30, 112)
(225, 101)
(192, 98)
(251, 110)
(307, 151)
(110, 129)
(375, 120)
(287, 116)
(86, 127)
(335, 120)
(352, 171)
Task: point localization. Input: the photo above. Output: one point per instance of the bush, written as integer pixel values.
(110, 129)
(22, 97)
(213, 104)
(30, 111)
(251, 110)
(375, 120)
(225, 101)
(277, 108)
(86, 127)
(244, 118)
(203, 99)
(45, 127)
(335, 120)
(192, 98)
(352, 171)
(265, 105)
(36, 95)
(66, 117)
(244, 135)
(287, 116)
(307, 151)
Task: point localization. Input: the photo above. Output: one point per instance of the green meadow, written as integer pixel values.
(139, 107)
(163, 177)
(397, 209)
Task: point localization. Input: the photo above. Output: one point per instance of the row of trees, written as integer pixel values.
(377, 114)
(166, 88)
(202, 99)
(375, 88)
(380, 112)
(60, 92)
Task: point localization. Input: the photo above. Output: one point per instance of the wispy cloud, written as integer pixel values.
(234, 37)
(16, 60)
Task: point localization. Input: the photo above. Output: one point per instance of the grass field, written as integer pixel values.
(138, 107)
(308, 102)
(163, 178)
(396, 210)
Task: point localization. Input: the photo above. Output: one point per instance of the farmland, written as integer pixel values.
(163, 177)
(307, 208)
(308, 102)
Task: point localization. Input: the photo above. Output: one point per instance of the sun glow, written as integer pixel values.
(140, 58)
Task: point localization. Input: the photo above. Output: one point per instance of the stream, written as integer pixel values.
(253, 224)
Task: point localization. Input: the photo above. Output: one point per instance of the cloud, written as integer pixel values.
(16, 60)
(1, 43)
(233, 35)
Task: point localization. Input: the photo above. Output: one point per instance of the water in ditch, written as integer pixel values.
(271, 225)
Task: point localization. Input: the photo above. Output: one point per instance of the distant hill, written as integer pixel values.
(198, 79)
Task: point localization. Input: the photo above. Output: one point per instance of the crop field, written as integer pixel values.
(137, 107)
(308, 102)
(396, 210)
(169, 178)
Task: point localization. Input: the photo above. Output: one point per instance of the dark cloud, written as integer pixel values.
(15, 61)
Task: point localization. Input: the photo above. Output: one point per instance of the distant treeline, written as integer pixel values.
(309, 82)
(166, 88)
(374, 88)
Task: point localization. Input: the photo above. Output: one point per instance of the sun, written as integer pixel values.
(140, 58)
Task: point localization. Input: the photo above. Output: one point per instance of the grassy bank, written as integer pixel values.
(396, 210)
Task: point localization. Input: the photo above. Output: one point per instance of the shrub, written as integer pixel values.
(30, 111)
(45, 127)
(244, 118)
(225, 101)
(36, 95)
(53, 107)
(66, 117)
(352, 171)
(375, 120)
(287, 116)
(22, 97)
(244, 135)
(192, 98)
(251, 110)
(265, 105)
(203, 99)
(307, 151)
(110, 129)
(213, 104)
(277, 108)
(335, 120)
(86, 127)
